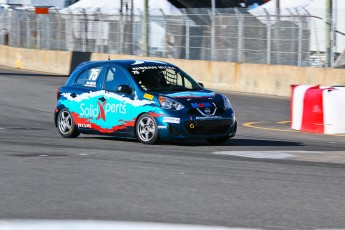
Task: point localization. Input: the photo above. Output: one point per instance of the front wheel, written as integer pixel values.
(66, 125)
(219, 140)
(146, 129)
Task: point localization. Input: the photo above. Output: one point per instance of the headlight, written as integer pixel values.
(227, 104)
(168, 103)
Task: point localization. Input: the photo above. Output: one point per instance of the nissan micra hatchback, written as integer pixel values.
(147, 100)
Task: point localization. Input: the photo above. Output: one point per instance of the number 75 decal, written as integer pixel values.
(94, 74)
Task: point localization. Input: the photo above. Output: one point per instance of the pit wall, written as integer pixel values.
(247, 78)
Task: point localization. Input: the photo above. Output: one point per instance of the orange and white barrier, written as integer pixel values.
(318, 109)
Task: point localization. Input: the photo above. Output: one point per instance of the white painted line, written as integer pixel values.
(317, 156)
(42, 155)
(257, 154)
(83, 154)
(101, 225)
(2, 128)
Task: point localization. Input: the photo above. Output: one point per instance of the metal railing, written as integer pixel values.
(231, 35)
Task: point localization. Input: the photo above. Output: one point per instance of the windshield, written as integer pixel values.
(163, 78)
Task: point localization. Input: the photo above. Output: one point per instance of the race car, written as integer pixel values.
(149, 100)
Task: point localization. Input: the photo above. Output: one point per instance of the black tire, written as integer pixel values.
(218, 140)
(66, 125)
(146, 130)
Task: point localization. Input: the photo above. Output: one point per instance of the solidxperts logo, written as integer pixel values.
(100, 111)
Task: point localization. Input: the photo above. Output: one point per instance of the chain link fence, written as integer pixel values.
(231, 35)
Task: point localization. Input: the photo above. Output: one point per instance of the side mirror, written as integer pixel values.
(202, 85)
(124, 89)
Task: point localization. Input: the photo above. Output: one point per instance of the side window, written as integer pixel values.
(91, 76)
(114, 78)
(80, 79)
(188, 84)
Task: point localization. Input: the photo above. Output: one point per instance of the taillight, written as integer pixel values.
(58, 94)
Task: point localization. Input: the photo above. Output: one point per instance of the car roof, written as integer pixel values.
(124, 63)
(128, 63)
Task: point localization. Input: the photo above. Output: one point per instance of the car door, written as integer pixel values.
(117, 104)
(85, 98)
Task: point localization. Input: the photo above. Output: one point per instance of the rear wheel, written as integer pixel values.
(146, 129)
(66, 125)
(218, 140)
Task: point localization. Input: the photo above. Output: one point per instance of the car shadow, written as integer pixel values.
(243, 142)
(110, 138)
(232, 142)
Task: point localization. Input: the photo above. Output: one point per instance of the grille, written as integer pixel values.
(219, 111)
(208, 127)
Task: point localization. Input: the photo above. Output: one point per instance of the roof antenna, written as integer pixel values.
(108, 57)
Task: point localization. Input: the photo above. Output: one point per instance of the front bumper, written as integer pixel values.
(192, 127)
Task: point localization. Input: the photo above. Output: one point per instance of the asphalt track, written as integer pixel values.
(267, 177)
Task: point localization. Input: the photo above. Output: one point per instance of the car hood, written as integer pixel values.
(196, 99)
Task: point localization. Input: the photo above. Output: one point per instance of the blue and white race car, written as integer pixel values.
(147, 100)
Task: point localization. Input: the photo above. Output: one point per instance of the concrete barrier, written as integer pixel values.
(56, 62)
(318, 109)
(251, 78)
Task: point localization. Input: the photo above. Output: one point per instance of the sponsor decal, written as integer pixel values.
(123, 124)
(116, 113)
(201, 105)
(100, 111)
(90, 84)
(162, 127)
(148, 96)
(212, 117)
(175, 120)
(84, 125)
(162, 67)
(205, 108)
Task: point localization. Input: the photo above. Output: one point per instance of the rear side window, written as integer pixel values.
(89, 77)
(80, 79)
